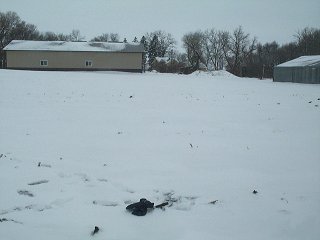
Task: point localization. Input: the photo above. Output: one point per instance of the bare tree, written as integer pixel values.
(153, 51)
(238, 50)
(114, 37)
(24, 31)
(11, 27)
(102, 38)
(51, 36)
(8, 22)
(194, 44)
(106, 37)
(308, 41)
(165, 42)
(62, 37)
(48, 36)
(75, 36)
(288, 52)
(214, 43)
(157, 44)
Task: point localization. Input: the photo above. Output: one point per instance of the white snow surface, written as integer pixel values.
(25, 45)
(302, 61)
(77, 147)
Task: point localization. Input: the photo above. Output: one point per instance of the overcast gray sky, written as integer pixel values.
(267, 19)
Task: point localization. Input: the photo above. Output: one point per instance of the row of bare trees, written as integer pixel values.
(107, 37)
(219, 49)
(266, 56)
(212, 49)
(12, 27)
(242, 55)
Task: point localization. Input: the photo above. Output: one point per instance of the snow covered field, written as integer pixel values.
(77, 147)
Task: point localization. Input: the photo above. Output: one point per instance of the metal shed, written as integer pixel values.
(305, 69)
(74, 56)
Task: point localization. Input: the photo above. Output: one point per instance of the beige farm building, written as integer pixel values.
(74, 56)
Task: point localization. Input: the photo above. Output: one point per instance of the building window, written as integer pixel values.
(88, 63)
(44, 63)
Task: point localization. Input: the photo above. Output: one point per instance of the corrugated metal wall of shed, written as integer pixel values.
(282, 74)
(315, 73)
(297, 75)
(308, 74)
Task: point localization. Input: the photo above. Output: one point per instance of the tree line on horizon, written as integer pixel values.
(212, 49)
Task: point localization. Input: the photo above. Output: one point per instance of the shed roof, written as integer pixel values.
(65, 46)
(302, 61)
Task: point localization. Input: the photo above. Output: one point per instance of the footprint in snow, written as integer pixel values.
(41, 208)
(37, 207)
(27, 207)
(105, 203)
(102, 180)
(9, 220)
(302, 198)
(127, 202)
(183, 203)
(284, 211)
(60, 202)
(129, 190)
(83, 176)
(122, 187)
(64, 175)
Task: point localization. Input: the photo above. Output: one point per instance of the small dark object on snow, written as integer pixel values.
(318, 99)
(162, 205)
(39, 164)
(131, 97)
(1, 155)
(96, 230)
(25, 192)
(255, 192)
(278, 103)
(310, 102)
(45, 165)
(140, 208)
(191, 145)
(38, 182)
(9, 220)
(316, 105)
(213, 202)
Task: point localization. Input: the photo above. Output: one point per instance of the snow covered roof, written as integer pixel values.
(65, 46)
(163, 59)
(302, 61)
